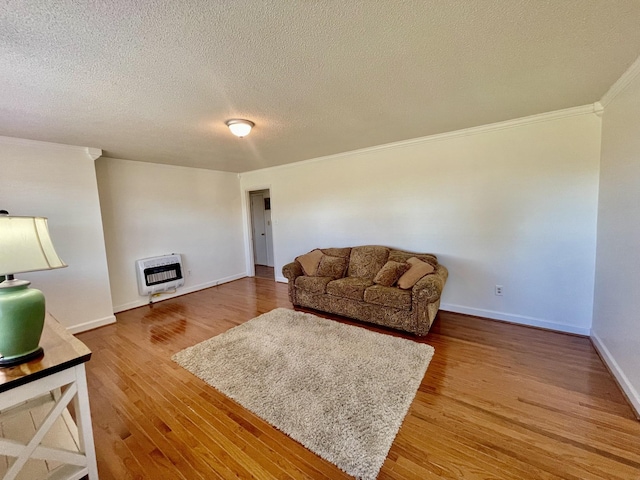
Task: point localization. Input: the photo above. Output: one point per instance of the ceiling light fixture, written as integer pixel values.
(240, 128)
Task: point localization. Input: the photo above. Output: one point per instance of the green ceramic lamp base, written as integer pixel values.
(12, 362)
(22, 311)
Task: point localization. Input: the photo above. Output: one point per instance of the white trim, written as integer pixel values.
(517, 122)
(93, 153)
(632, 394)
(131, 305)
(621, 84)
(168, 165)
(38, 143)
(598, 109)
(505, 317)
(281, 279)
(513, 318)
(247, 227)
(183, 291)
(83, 327)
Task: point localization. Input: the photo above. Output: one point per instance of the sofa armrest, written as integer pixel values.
(292, 270)
(429, 288)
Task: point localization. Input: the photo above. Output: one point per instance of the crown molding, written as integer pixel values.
(598, 109)
(167, 165)
(93, 153)
(89, 151)
(593, 108)
(621, 84)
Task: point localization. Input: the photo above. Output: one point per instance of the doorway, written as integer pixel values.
(261, 233)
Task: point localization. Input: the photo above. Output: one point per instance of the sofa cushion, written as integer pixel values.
(366, 262)
(390, 273)
(418, 270)
(309, 261)
(333, 267)
(349, 287)
(313, 284)
(388, 297)
(337, 252)
(402, 256)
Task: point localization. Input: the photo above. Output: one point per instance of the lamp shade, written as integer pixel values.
(25, 245)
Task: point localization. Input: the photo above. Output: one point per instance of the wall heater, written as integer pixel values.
(159, 274)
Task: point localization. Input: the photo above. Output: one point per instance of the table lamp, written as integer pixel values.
(25, 246)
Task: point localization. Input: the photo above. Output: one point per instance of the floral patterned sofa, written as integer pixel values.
(372, 283)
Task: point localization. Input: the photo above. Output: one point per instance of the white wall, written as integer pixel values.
(151, 209)
(59, 182)
(512, 204)
(616, 318)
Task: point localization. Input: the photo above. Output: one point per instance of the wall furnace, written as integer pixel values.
(159, 274)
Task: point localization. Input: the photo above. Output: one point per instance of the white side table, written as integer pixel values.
(49, 385)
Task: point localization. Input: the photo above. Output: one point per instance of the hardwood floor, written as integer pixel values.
(263, 271)
(498, 401)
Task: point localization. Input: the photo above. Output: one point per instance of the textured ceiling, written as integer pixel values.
(155, 80)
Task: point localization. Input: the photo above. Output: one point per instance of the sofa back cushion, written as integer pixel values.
(366, 262)
(337, 252)
(402, 256)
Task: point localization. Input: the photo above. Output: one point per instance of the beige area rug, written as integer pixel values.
(339, 390)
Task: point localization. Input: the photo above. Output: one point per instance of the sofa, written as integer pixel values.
(370, 283)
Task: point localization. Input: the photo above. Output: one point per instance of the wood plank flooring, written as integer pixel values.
(262, 271)
(499, 401)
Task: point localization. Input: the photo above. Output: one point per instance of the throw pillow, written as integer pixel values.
(333, 267)
(418, 270)
(390, 273)
(310, 261)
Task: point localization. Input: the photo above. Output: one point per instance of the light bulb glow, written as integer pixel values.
(240, 128)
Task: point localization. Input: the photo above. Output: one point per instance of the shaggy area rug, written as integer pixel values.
(339, 390)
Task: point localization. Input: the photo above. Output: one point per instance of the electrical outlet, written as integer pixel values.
(499, 290)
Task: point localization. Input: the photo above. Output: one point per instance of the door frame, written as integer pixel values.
(259, 222)
(248, 228)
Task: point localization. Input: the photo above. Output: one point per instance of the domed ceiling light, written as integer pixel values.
(240, 128)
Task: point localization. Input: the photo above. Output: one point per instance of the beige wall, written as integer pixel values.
(616, 314)
(513, 205)
(59, 182)
(150, 209)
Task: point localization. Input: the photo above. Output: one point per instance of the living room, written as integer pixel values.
(543, 204)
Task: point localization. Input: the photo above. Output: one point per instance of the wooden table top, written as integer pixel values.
(61, 351)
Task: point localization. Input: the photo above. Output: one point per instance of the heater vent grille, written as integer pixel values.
(159, 274)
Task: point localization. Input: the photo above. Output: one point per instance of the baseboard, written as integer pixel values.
(183, 291)
(505, 317)
(83, 327)
(630, 392)
(281, 279)
(129, 305)
(519, 319)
